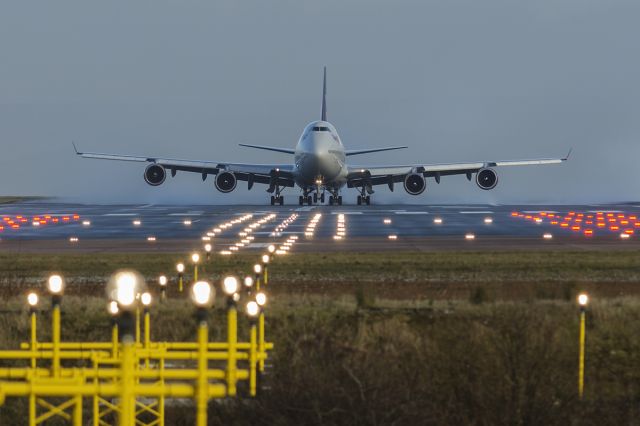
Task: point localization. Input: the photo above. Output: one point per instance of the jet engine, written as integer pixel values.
(226, 182)
(155, 174)
(414, 184)
(487, 179)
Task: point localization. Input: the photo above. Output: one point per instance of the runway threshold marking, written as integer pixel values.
(410, 213)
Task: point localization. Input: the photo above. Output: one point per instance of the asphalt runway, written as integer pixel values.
(47, 226)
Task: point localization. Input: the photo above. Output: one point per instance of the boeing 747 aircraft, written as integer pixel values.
(320, 166)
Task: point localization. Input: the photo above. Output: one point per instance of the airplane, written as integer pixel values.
(320, 166)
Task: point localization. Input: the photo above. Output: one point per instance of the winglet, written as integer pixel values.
(568, 154)
(75, 148)
(324, 95)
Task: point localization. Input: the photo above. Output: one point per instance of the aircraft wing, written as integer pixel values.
(388, 175)
(271, 174)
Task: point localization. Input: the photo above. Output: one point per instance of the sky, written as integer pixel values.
(455, 80)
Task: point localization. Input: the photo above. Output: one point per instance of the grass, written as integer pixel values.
(411, 338)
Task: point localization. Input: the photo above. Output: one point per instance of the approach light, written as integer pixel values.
(257, 268)
(180, 268)
(271, 249)
(32, 299)
(261, 299)
(123, 287)
(207, 248)
(248, 282)
(145, 298)
(265, 257)
(162, 280)
(195, 258)
(583, 300)
(112, 307)
(230, 285)
(252, 309)
(202, 294)
(55, 284)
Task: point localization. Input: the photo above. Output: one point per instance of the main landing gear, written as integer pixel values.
(364, 200)
(277, 199)
(337, 200)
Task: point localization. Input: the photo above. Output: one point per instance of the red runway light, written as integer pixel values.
(588, 232)
(564, 225)
(543, 213)
(554, 222)
(629, 231)
(637, 224)
(572, 213)
(614, 228)
(54, 220)
(589, 222)
(601, 224)
(514, 214)
(575, 228)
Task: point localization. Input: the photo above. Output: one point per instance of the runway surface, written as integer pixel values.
(46, 226)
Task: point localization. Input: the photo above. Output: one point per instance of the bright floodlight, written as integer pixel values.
(162, 280)
(32, 299)
(112, 307)
(207, 248)
(55, 284)
(257, 268)
(252, 309)
(195, 258)
(261, 299)
(230, 285)
(145, 298)
(202, 294)
(248, 282)
(265, 259)
(180, 267)
(271, 248)
(583, 300)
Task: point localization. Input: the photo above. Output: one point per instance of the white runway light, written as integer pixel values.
(437, 221)
(488, 220)
(470, 237)
(393, 237)
(547, 236)
(137, 222)
(151, 239)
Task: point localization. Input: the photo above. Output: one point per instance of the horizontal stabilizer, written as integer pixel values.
(269, 148)
(368, 151)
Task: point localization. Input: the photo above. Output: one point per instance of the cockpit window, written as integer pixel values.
(320, 129)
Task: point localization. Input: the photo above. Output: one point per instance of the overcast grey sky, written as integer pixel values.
(453, 80)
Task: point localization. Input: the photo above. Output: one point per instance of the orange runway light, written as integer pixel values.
(614, 228)
(588, 232)
(637, 224)
(15, 226)
(609, 214)
(543, 213)
(528, 216)
(629, 231)
(612, 220)
(554, 222)
(601, 224)
(624, 222)
(76, 217)
(633, 217)
(578, 220)
(514, 214)
(564, 225)
(621, 216)
(575, 228)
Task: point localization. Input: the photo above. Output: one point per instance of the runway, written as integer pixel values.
(46, 226)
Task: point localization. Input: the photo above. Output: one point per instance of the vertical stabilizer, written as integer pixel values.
(324, 96)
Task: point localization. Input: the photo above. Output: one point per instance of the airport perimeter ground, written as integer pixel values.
(432, 327)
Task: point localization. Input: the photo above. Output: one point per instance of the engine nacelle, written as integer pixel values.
(226, 182)
(487, 179)
(155, 174)
(415, 184)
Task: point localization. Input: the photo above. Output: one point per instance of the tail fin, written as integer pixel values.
(324, 96)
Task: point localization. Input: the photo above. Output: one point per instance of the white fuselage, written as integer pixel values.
(320, 157)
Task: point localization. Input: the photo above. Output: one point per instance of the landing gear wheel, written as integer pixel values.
(301, 200)
(309, 200)
(281, 200)
(339, 200)
(368, 200)
(322, 198)
(315, 197)
(273, 200)
(330, 200)
(359, 200)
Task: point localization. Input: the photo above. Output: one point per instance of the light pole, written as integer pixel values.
(146, 300)
(252, 309)
(230, 287)
(583, 301)
(123, 287)
(202, 295)
(162, 280)
(32, 300)
(265, 268)
(55, 285)
(257, 269)
(195, 258)
(180, 269)
(261, 300)
(113, 309)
